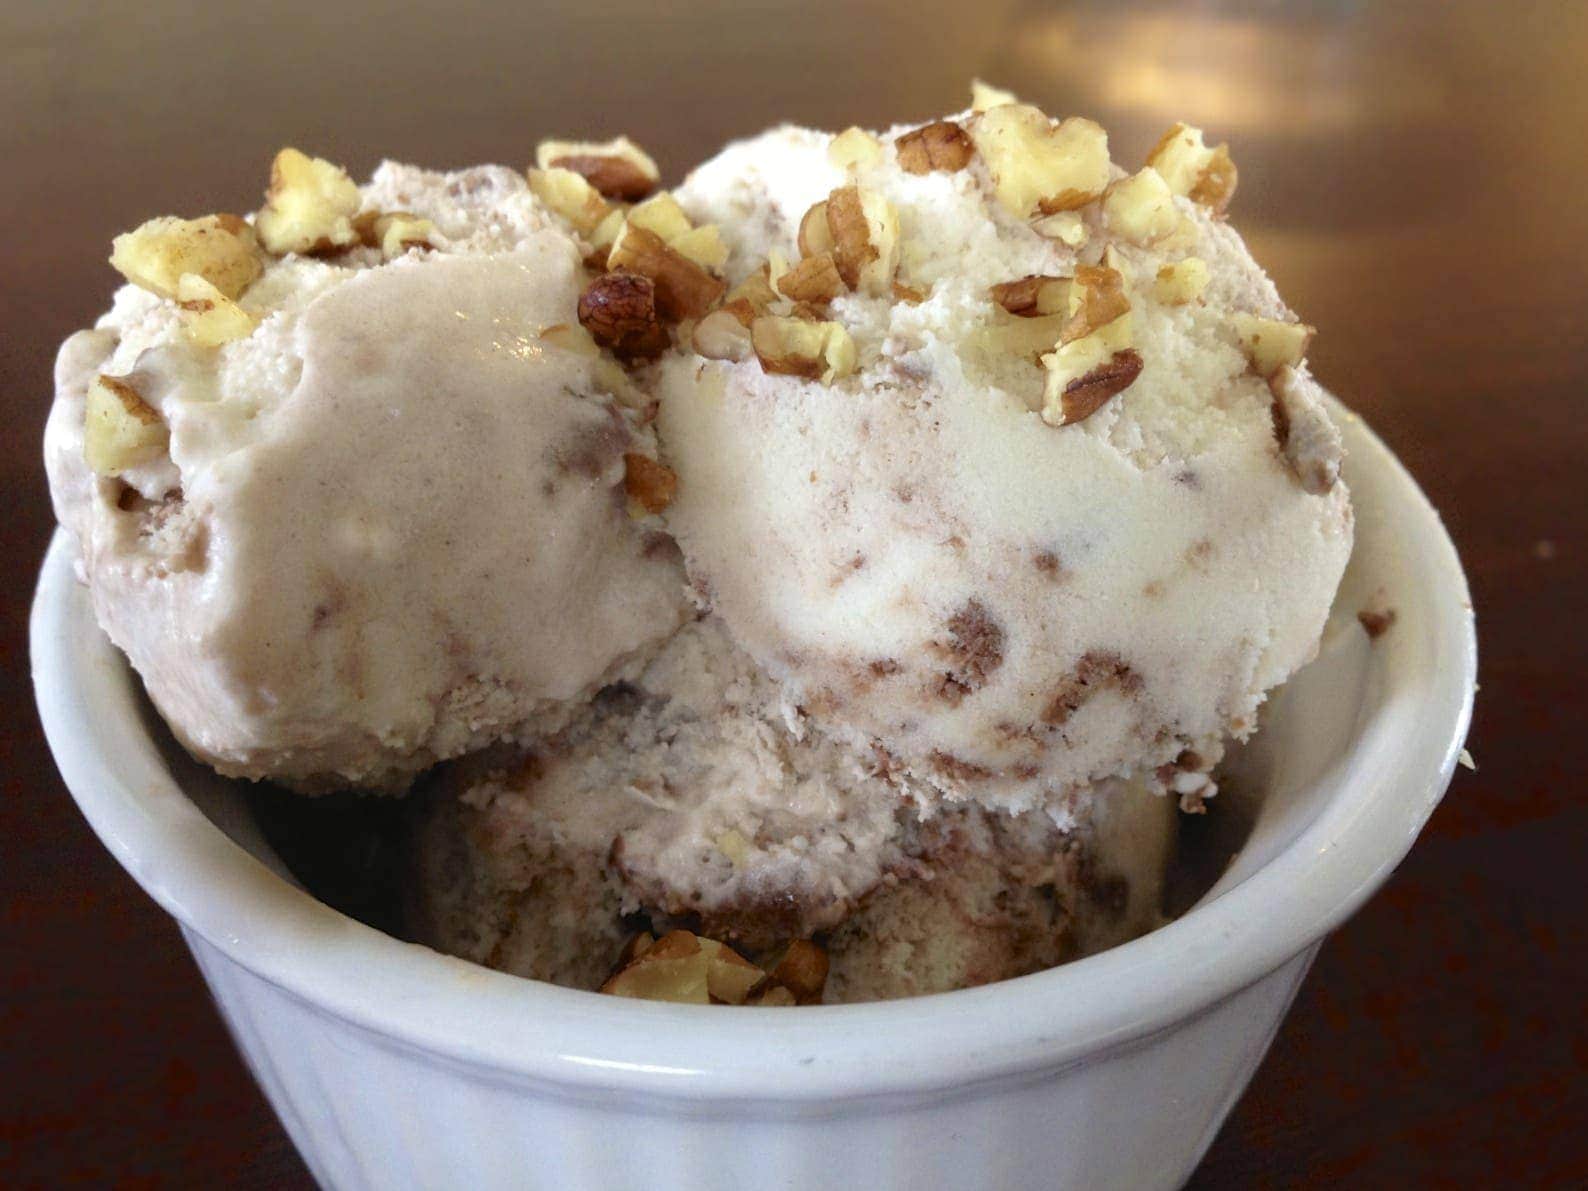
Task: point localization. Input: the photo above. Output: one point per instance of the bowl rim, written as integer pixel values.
(576, 1041)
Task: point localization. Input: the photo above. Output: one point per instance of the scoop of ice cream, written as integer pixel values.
(695, 795)
(1007, 607)
(391, 523)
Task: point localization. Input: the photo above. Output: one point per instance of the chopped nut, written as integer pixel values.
(1271, 344)
(569, 195)
(607, 374)
(637, 946)
(1034, 295)
(794, 347)
(1141, 208)
(120, 429)
(683, 288)
(1039, 167)
(1067, 227)
(941, 145)
(776, 266)
(910, 294)
(1025, 336)
(1182, 282)
(985, 95)
(773, 996)
(729, 976)
(653, 485)
(309, 206)
(814, 279)
(674, 968)
(814, 235)
(604, 236)
(618, 168)
(661, 214)
(802, 969)
(619, 311)
(397, 231)
(1096, 298)
(854, 149)
(724, 334)
(1085, 372)
(865, 232)
(1189, 167)
(209, 317)
(703, 245)
(219, 248)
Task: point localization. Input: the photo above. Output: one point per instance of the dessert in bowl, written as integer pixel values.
(863, 549)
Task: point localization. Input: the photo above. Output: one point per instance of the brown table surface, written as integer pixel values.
(1413, 175)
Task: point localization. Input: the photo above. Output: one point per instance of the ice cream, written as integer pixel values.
(698, 796)
(1008, 607)
(390, 525)
(844, 563)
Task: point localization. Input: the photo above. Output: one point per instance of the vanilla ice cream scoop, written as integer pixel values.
(389, 524)
(1060, 504)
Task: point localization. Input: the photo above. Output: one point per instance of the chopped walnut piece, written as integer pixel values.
(1035, 295)
(651, 484)
(309, 206)
(1067, 227)
(660, 214)
(703, 245)
(683, 288)
(398, 231)
(674, 968)
(221, 249)
(854, 148)
(691, 969)
(1085, 395)
(802, 969)
(1141, 208)
(794, 347)
(814, 235)
(1182, 282)
(1271, 344)
(120, 428)
(941, 145)
(209, 317)
(569, 195)
(913, 295)
(1096, 298)
(1038, 166)
(1025, 336)
(1206, 176)
(865, 232)
(814, 279)
(619, 311)
(618, 169)
(1086, 371)
(985, 95)
(724, 334)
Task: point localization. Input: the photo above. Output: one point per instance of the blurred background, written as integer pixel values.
(1412, 174)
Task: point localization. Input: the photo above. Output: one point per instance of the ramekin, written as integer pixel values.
(392, 1066)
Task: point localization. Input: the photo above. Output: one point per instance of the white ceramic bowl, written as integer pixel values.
(392, 1066)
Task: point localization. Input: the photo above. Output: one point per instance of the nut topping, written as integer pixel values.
(691, 969)
(814, 236)
(854, 149)
(209, 317)
(619, 311)
(1182, 282)
(1141, 208)
(309, 206)
(865, 233)
(571, 196)
(617, 169)
(815, 279)
(120, 429)
(1096, 298)
(941, 145)
(796, 347)
(1038, 167)
(985, 95)
(221, 249)
(1270, 344)
(724, 334)
(683, 288)
(1205, 176)
(1085, 395)
(1034, 295)
(650, 484)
